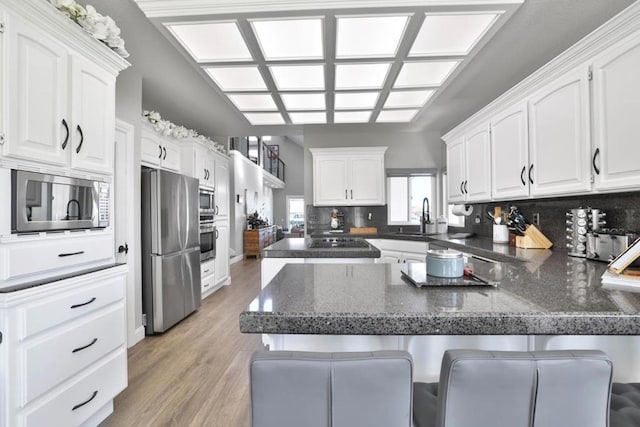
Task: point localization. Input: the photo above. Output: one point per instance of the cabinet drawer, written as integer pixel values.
(61, 355)
(207, 268)
(71, 305)
(208, 282)
(38, 256)
(64, 407)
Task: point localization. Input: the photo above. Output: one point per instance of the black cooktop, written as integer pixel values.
(338, 242)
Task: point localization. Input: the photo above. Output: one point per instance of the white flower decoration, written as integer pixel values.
(166, 128)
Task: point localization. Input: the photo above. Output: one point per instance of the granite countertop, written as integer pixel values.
(301, 248)
(555, 294)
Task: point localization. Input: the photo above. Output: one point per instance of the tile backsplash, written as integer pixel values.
(319, 217)
(622, 209)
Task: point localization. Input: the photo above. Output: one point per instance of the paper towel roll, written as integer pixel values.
(462, 210)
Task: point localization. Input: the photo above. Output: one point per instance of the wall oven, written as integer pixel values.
(208, 236)
(43, 202)
(207, 201)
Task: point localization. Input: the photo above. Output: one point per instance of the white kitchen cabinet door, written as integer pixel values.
(203, 166)
(151, 148)
(559, 139)
(39, 125)
(390, 257)
(477, 185)
(510, 154)
(616, 110)
(170, 156)
(366, 178)
(456, 171)
(222, 252)
(222, 187)
(330, 186)
(93, 117)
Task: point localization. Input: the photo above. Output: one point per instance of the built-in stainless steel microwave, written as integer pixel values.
(207, 201)
(42, 202)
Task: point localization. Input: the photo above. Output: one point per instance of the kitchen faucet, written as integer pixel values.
(424, 220)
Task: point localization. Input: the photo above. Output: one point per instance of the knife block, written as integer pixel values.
(533, 239)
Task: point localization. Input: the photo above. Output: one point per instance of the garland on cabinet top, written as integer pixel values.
(166, 128)
(102, 28)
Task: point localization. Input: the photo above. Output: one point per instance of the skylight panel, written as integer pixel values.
(361, 76)
(369, 36)
(356, 100)
(396, 116)
(253, 102)
(308, 118)
(290, 38)
(212, 41)
(454, 34)
(351, 116)
(237, 78)
(428, 73)
(264, 118)
(303, 101)
(298, 77)
(408, 98)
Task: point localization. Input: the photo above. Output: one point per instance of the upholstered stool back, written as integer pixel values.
(304, 389)
(518, 389)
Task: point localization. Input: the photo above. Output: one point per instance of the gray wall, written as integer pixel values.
(293, 156)
(405, 149)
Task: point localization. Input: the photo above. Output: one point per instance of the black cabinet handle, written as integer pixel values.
(70, 254)
(593, 161)
(75, 350)
(524, 168)
(462, 187)
(346, 193)
(465, 187)
(352, 194)
(84, 303)
(160, 156)
(66, 138)
(530, 170)
(80, 405)
(165, 153)
(123, 248)
(81, 139)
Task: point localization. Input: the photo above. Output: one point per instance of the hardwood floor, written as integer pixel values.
(196, 374)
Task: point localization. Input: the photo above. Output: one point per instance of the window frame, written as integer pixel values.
(289, 198)
(409, 173)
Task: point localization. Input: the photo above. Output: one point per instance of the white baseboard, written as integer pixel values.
(138, 335)
(236, 258)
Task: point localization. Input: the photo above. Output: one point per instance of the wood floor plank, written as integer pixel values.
(195, 374)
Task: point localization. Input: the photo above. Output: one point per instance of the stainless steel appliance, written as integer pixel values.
(579, 222)
(170, 248)
(207, 201)
(208, 236)
(43, 202)
(607, 244)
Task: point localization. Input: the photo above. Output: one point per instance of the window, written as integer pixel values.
(453, 220)
(406, 191)
(295, 212)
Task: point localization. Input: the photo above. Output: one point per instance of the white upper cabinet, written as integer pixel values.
(39, 126)
(62, 104)
(456, 173)
(510, 153)
(197, 162)
(559, 136)
(477, 186)
(348, 176)
(93, 102)
(616, 116)
(469, 167)
(222, 187)
(158, 151)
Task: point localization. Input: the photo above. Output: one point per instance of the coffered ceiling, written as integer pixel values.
(363, 61)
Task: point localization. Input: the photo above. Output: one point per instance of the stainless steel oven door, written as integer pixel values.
(208, 235)
(42, 202)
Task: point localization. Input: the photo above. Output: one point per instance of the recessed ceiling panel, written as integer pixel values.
(355, 100)
(369, 36)
(212, 41)
(451, 34)
(253, 102)
(308, 118)
(264, 118)
(290, 38)
(303, 101)
(396, 116)
(408, 98)
(361, 76)
(351, 116)
(298, 77)
(237, 78)
(428, 73)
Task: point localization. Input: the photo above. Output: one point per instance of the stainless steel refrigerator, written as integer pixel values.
(170, 248)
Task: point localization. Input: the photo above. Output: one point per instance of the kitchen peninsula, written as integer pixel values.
(556, 302)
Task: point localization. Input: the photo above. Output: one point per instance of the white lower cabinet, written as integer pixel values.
(208, 277)
(400, 251)
(222, 272)
(63, 350)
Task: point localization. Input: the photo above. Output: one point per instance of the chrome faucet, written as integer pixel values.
(424, 220)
